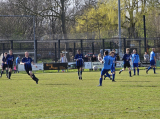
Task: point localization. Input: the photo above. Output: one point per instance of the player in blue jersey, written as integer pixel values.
(135, 61)
(4, 64)
(126, 60)
(113, 66)
(10, 60)
(152, 61)
(107, 66)
(79, 63)
(27, 61)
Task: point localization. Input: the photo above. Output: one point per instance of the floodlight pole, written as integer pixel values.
(119, 25)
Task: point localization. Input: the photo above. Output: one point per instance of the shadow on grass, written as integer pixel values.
(134, 81)
(57, 84)
(138, 86)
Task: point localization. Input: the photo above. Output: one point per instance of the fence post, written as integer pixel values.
(74, 49)
(140, 48)
(35, 41)
(103, 45)
(110, 45)
(81, 46)
(20, 46)
(58, 49)
(35, 51)
(93, 47)
(144, 22)
(55, 52)
(124, 44)
(12, 44)
(3, 49)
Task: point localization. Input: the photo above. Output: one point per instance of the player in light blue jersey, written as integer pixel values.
(152, 61)
(135, 61)
(79, 63)
(107, 66)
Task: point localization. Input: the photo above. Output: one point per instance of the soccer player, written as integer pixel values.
(4, 64)
(106, 68)
(126, 60)
(135, 61)
(115, 55)
(10, 59)
(27, 61)
(113, 65)
(79, 63)
(152, 61)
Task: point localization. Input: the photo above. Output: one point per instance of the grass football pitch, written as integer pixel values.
(62, 95)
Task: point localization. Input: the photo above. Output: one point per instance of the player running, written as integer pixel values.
(107, 66)
(4, 64)
(126, 60)
(79, 63)
(10, 60)
(135, 61)
(152, 61)
(27, 61)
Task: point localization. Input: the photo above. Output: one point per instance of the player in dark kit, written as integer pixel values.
(10, 59)
(4, 64)
(27, 61)
(79, 63)
(126, 59)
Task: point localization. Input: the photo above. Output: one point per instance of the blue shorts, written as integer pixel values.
(152, 62)
(112, 69)
(104, 71)
(135, 64)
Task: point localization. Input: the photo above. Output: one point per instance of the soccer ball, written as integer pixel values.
(95, 68)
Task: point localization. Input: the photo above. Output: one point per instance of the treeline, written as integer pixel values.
(76, 19)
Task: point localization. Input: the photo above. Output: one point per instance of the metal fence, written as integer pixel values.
(50, 50)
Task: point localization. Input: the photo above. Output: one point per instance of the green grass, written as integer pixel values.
(62, 95)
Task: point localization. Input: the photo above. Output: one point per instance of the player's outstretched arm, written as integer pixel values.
(34, 64)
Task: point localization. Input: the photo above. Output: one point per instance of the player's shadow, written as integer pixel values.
(138, 86)
(57, 84)
(134, 81)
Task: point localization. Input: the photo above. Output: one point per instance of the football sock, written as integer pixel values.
(113, 77)
(81, 72)
(130, 73)
(154, 69)
(78, 73)
(138, 71)
(100, 81)
(108, 75)
(1, 73)
(9, 75)
(6, 72)
(134, 71)
(34, 78)
(149, 68)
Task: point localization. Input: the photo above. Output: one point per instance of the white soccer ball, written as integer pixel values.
(95, 68)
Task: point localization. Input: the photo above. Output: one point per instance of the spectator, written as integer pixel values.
(85, 58)
(17, 62)
(146, 57)
(93, 59)
(63, 60)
